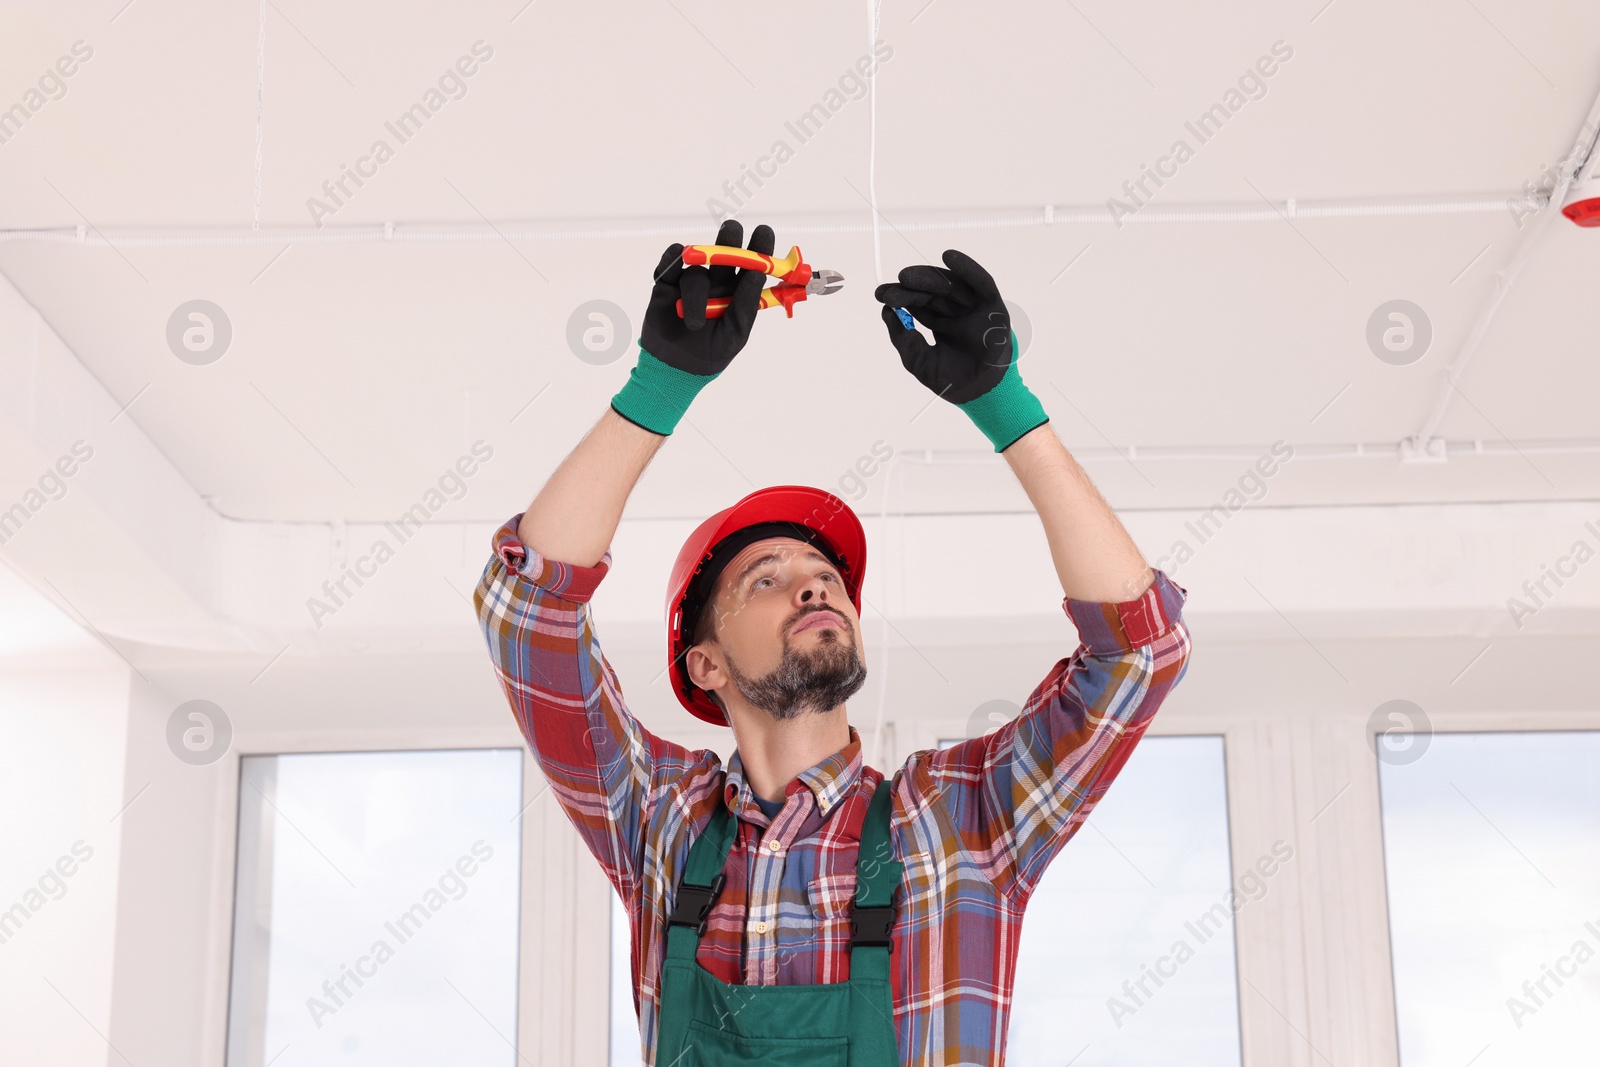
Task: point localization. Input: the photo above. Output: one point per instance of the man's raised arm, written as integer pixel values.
(1016, 795)
(575, 516)
(532, 600)
(1093, 554)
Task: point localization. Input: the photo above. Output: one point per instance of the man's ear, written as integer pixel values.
(703, 670)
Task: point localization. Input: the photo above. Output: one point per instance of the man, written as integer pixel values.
(798, 908)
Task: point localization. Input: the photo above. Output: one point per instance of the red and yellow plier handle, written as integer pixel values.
(796, 278)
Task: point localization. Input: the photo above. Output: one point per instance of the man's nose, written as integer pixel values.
(815, 588)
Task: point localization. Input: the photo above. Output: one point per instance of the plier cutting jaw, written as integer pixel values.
(797, 279)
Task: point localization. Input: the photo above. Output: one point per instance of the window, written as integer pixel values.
(1492, 858)
(375, 908)
(1127, 954)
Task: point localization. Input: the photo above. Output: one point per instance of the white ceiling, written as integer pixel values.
(391, 359)
(359, 372)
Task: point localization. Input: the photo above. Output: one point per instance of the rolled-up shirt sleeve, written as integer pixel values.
(1016, 795)
(602, 765)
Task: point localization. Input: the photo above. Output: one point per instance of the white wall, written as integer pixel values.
(62, 740)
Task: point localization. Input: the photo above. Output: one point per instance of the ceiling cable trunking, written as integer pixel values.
(843, 222)
(1357, 450)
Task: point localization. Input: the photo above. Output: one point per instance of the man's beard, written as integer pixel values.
(819, 680)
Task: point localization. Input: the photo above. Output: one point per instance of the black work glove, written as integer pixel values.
(694, 343)
(680, 356)
(972, 362)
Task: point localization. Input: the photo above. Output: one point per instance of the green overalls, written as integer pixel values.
(705, 1022)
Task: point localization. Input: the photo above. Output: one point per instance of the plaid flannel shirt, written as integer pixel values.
(974, 824)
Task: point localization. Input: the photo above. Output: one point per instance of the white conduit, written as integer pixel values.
(1506, 277)
(1246, 454)
(1044, 216)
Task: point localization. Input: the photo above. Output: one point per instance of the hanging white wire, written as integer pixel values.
(874, 10)
(874, 14)
(261, 103)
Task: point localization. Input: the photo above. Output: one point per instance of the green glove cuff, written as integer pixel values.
(656, 395)
(1007, 411)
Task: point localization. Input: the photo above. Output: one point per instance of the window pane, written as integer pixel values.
(1127, 956)
(375, 916)
(1492, 855)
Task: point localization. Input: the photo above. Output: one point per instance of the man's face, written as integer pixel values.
(787, 636)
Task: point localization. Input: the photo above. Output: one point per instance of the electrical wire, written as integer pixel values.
(874, 13)
(261, 105)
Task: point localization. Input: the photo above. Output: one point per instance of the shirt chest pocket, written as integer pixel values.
(831, 897)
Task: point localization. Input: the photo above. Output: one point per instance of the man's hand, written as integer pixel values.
(694, 343)
(972, 363)
(680, 356)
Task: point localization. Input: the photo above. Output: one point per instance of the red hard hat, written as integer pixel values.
(822, 513)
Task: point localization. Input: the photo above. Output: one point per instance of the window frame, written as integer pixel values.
(540, 962)
(1561, 723)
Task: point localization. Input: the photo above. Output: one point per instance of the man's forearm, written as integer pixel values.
(575, 515)
(1093, 554)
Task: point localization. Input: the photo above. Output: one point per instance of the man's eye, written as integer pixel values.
(757, 583)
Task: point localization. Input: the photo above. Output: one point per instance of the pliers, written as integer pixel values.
(796, 278)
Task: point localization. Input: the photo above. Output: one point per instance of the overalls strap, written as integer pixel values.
(877, 875)
(702, 875)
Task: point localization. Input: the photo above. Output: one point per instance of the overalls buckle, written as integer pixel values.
(693, 907)
(872, 926)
